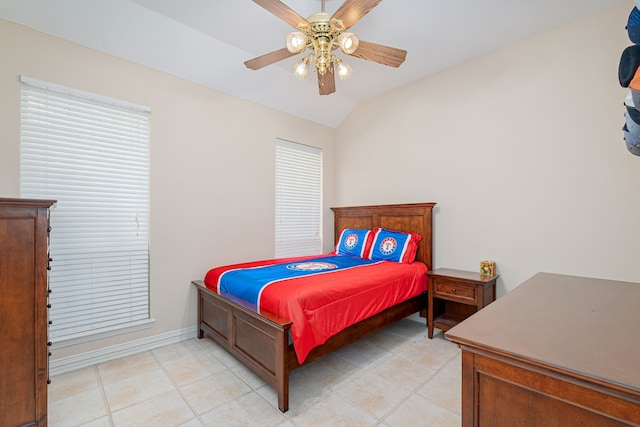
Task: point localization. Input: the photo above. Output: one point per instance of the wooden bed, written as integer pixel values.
(260, 341)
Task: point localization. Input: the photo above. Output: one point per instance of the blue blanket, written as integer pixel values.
(248, 283)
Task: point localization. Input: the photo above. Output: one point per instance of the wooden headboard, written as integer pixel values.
(413, 217)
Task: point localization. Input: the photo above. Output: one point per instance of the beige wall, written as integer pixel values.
(212, 164)
(522, 150)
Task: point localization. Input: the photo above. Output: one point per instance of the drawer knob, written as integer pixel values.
(49, 344)
(48, 305)
(453, 290)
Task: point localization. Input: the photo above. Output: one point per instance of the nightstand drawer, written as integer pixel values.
(455, 291)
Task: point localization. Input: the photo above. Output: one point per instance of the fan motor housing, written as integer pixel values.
(321, 26)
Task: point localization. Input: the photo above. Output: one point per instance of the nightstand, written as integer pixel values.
(455, 295)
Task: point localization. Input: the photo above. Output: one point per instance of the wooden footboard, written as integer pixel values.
(261, 341)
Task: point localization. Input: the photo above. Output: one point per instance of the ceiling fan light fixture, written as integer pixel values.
(322, 33)
(348, 42)
(343, 69)
(296, 42)
(301, 68)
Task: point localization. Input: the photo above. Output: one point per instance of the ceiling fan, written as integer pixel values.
(322, 33)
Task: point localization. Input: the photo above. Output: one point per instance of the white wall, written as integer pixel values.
(522, 150)
(212, 165)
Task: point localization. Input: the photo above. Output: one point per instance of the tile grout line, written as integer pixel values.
(104, 395)
(413, 392)
(177, 388)
(289, 417)
(364, 370)
(253, 390)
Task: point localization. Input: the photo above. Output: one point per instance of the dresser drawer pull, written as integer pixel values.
(453, 290)
(48, 305)
(49, 343)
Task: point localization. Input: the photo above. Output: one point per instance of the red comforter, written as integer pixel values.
(322, 305)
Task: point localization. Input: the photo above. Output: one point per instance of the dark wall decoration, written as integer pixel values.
(629, 76)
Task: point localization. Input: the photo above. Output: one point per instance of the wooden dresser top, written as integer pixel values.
(584, 326)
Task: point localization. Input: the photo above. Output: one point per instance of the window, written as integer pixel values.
(91, 154)
(298, 199)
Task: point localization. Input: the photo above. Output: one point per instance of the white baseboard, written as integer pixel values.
(70, 363)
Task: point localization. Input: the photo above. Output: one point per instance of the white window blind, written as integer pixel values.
(91, 154)
(298, 199)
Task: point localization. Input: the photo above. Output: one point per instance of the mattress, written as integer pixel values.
(320, 295)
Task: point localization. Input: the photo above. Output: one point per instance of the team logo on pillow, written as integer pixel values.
(311, 266)
(388, 246)
(351, 241)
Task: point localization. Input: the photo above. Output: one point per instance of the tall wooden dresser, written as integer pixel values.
(24, 260)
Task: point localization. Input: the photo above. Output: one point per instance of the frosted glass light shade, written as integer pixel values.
(301, 68)
(344, 70)
(348, 42)
(296, 42)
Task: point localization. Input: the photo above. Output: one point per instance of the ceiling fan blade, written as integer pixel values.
(327, 83)
(268, 59)
(352, 10)
(384, 55)
(282, 11)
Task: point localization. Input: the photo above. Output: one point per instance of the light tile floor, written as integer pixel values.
(396, 377)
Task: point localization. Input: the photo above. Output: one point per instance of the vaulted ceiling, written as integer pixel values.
(207, 41)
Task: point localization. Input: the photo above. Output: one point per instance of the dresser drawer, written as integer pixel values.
(455, 291)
